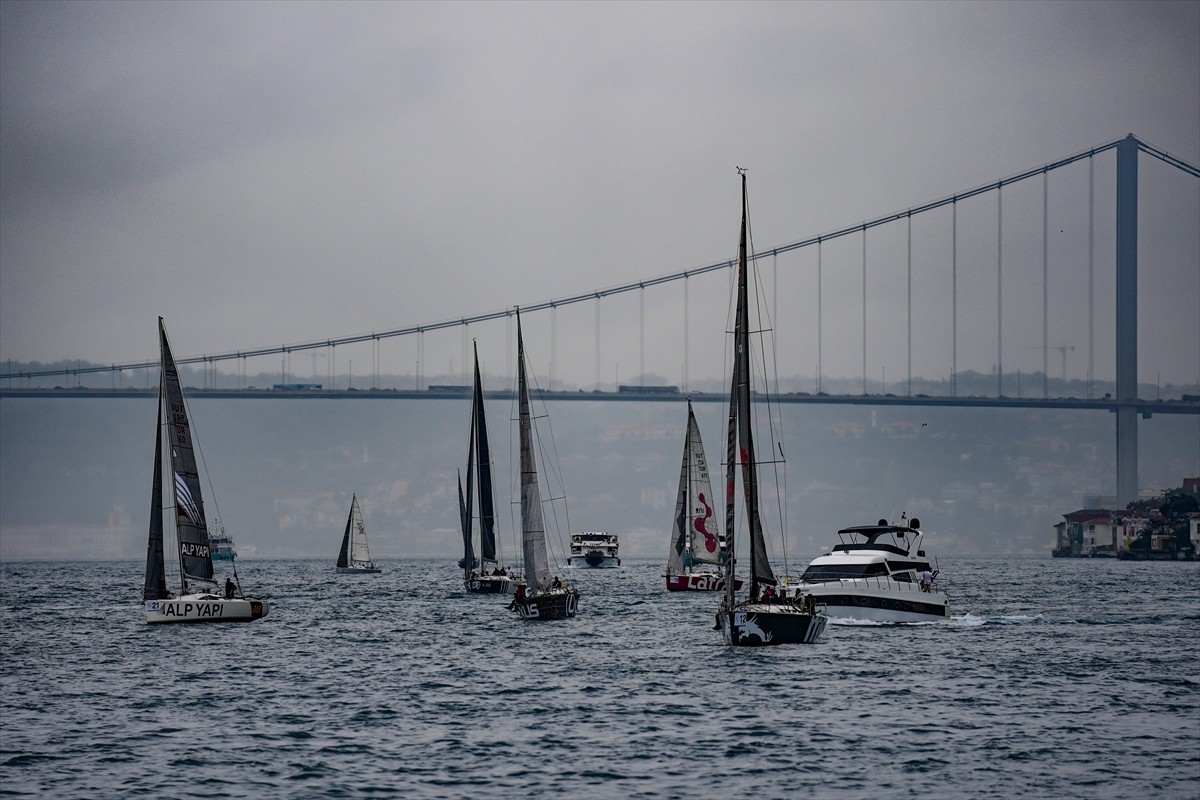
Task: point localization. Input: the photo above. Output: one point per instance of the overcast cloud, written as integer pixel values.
(263, 173)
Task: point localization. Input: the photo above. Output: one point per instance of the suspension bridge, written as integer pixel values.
(885, 290)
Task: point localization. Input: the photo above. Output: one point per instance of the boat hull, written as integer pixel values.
(762, 625)
(889, 601)
(205, 608)
(491, 584)
(699, 582)
(359, 570)
(555, 604)
(594, 561)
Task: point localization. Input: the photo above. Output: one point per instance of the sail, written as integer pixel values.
(533, 528)
(487, 502)
(466, 505)
(195, 558)
(464, 516)
(344, 552)
(740, 424)
(156, 574)
(677, 555)
(360, 553)
(705, 543)
(694, 538)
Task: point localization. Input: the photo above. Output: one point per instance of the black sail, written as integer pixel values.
(740, 444)
(156, 574)
(487, 504)
(195, 558)
(464, 516)
(344, 553)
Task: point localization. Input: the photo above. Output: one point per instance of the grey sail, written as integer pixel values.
(533, 528)
(195, 557)
(156, 575)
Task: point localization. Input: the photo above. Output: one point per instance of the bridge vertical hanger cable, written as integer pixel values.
(686, 385)
(999, 290)
(553, 345)
(1091, 376)
(1045, 285)
(641, 337)
(908, 390)
(820, 321)
(954, 299)
(864, 314)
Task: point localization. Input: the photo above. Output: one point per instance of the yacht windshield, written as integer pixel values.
(833, 572)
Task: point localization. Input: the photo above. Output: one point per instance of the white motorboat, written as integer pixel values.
(877, 573)
(595, 549)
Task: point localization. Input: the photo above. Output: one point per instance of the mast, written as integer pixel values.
(533, 529)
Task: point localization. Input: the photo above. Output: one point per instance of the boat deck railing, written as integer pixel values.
(875, 581)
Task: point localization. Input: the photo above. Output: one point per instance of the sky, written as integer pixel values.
(270, 173)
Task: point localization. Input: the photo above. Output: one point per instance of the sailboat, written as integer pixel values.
(760, 618)
(355, 556)
(476, 575)
(696, 550)
(539, 597)
(196, 602)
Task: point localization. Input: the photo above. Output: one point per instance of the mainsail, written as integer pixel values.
(487, 503)
(696, 539)
(195, 558)
(740, 439)
(533, 528)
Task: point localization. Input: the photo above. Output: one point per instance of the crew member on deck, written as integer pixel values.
(230, 588)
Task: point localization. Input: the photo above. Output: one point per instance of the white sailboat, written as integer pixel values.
(697, 552)
(478, 577)
(355, 556)
(540, 597)
(196, 602)
(759, 618)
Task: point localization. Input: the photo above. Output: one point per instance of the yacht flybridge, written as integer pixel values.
(876, 573)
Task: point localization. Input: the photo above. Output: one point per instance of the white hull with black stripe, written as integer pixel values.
(875, 574)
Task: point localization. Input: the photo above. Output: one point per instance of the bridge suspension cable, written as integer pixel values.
(285, 350)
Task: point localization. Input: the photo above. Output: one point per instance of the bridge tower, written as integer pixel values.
(1127, 320)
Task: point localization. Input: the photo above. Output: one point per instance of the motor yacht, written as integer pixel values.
(877, 573)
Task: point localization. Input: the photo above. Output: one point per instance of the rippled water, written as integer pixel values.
(1056, 679)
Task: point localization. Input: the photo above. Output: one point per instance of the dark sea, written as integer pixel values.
(1055, 679)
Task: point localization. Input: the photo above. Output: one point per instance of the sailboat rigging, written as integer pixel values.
(539, 597)
(195, 603)
(760, 618)
(479, 474)
(355, 556)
